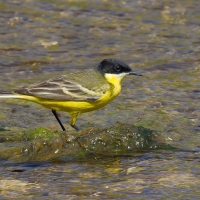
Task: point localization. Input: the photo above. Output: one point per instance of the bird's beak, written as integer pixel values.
(135, 73)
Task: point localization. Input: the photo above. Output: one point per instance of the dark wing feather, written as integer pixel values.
(59, 89)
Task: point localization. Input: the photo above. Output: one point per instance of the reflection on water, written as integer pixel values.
(160, 39)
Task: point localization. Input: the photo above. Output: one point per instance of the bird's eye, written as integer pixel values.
(117, 68)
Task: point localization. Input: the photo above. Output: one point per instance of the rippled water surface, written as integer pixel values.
(161, 39)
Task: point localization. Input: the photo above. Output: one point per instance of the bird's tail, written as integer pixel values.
(5, 95)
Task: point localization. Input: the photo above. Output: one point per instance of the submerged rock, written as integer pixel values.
(44, 144)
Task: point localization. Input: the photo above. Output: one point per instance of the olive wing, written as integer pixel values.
(61, 89)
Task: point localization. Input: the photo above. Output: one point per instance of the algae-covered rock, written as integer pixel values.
(39, 133)
(44, 144)
(120, 138)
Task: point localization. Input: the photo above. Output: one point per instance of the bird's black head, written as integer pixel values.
(114, 66)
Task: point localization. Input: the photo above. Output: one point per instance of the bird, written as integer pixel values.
(78, 92)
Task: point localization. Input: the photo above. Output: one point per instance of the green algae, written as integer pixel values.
(44, 144)
(39, 132)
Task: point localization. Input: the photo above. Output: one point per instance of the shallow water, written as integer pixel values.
(41, 39)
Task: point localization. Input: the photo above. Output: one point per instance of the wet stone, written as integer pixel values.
(44, 144)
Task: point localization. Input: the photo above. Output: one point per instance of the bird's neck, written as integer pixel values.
(115, 79)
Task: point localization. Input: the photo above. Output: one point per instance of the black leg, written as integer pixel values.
(56, 116)
(75, 127)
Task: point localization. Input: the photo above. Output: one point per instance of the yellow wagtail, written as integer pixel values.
(78, 92)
